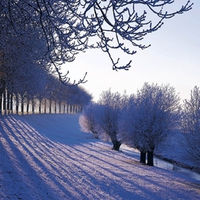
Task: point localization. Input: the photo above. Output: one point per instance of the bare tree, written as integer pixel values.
(69, 27)
(89, 120)
(152, 114)
(23, 76)
(191, 125)
(112, 104)
(128, 127)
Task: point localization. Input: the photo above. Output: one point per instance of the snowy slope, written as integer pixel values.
(45, 157)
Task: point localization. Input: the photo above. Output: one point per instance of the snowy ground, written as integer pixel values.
(46, 157)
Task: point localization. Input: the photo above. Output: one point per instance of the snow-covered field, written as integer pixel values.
(47, 157)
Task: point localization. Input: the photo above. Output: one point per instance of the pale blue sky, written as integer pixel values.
(174, 58)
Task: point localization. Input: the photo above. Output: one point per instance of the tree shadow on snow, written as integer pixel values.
(40, 166)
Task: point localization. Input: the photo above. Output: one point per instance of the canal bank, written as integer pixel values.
(172, 165)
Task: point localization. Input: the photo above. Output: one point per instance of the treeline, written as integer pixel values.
(30, 69)
(39, 92)
(144, 120)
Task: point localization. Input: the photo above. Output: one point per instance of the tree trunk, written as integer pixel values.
(64, 108)
(8, 102)
(55, 110)
(4, 102)
(116, 145)
(150, 158)
(70, 109)
(27, 107)
(40, 106)
(143, 157)
(60, 107)
(50, 104)
(2, 90)
(22, 105)
(45, 106)
(17, 103)
(33, 106)
(11, 103)
(1, 100)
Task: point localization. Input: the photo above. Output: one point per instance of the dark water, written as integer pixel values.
(169, 166)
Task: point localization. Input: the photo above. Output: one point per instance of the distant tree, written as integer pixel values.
(191, 125)
(26, 79)
(60, 94)
(23, 76)
(88, 119)
(69, 27)
(151, 115)
(78, 96)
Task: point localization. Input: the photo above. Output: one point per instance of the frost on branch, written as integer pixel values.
(190, 126)
(149, 117)
(70, 27)
(123, 24)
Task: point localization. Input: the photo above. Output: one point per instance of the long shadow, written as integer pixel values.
(99, 163)
(40, 158)
(64, 132)
(106, 164)
(82, 169)
(34, 149)
(14, 166)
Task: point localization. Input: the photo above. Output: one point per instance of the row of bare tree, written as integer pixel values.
(11, 104)
(40, 93)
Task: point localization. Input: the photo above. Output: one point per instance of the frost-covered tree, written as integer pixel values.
(111, 106)
(128, 128)
(101, 118)
(191, 125)
(151, 115)
(59, 94)
(23, 75)
(89, 119)
(70, 27)
(26, 79)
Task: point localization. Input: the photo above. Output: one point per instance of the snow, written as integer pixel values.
(44, 157)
